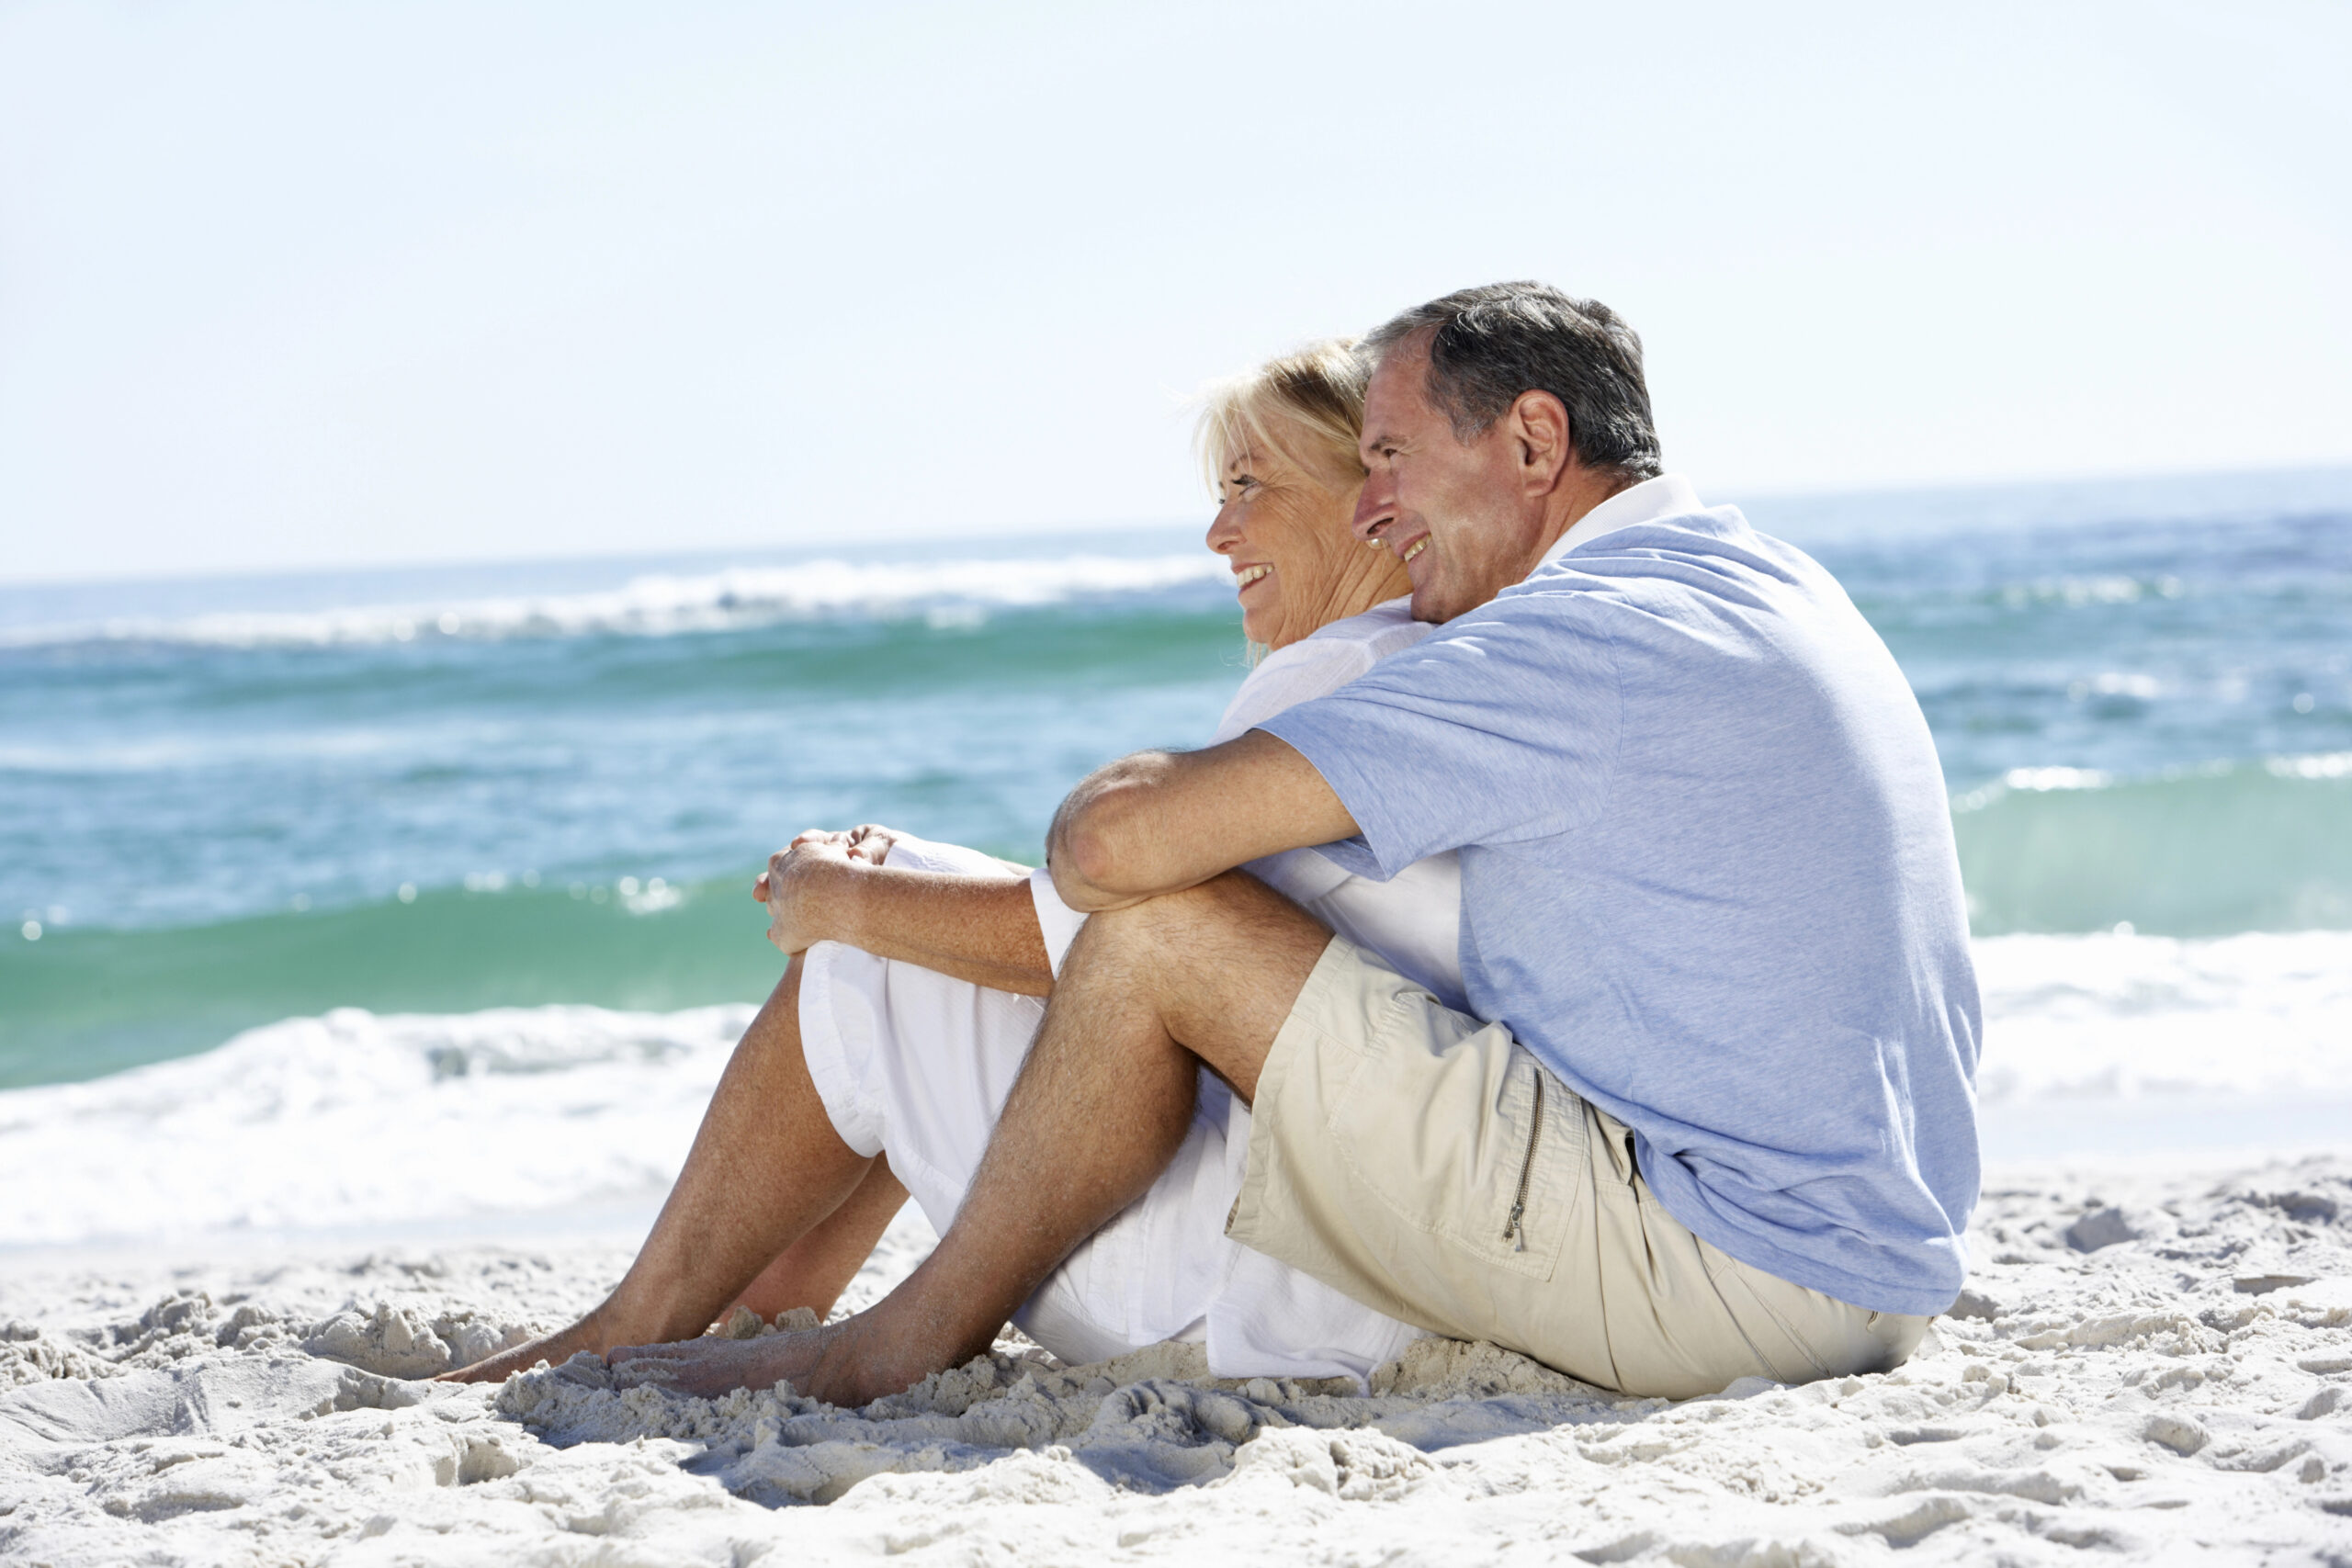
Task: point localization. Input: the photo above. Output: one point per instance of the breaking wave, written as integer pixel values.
(661, 604)
(2261, 846)
(362, 1118)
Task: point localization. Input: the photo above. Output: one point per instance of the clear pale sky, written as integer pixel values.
(296, 284)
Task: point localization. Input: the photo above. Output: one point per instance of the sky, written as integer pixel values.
(289, 285)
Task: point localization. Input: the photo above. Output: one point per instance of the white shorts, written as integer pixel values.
(916, 1064)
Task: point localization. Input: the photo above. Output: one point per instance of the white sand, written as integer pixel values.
(2146, 1368)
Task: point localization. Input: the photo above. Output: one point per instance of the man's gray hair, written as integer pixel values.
(1489, 345)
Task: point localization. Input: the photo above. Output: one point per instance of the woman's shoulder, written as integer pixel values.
(1344, 649)
(1379, 631)
(1355, 643)
(1320, 663)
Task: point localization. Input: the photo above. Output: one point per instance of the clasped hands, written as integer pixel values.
(809, 874)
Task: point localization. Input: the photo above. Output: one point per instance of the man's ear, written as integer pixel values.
(1539, 423)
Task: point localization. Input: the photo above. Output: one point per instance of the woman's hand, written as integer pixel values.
(805, 882)
(872, 842)
(837, 887)
(868, 841)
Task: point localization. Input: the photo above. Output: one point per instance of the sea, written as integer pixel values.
(400, 900)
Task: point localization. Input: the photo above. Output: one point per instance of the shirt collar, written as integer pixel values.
(1668, 495)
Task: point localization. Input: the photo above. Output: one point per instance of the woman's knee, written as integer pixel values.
(782, 1008)
(776, 1026)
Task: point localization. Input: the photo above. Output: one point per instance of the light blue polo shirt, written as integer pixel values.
(1708, 878)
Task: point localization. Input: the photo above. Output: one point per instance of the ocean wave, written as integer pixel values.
(2110, 589)
(949, 591)
(2038, 781)
(2255, 845)
(2111, 1016)
(77, 1002)
(2034, 780)
(2329, 765)
(356, 1117)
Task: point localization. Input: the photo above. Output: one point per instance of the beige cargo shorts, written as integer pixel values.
(1425, 1163)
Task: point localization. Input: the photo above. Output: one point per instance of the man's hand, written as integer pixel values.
(1159, 821)
(805, 882)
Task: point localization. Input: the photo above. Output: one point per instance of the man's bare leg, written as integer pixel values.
(1102, 1103)
(767, 1170)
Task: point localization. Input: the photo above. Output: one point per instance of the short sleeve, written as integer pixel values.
(1502, 727)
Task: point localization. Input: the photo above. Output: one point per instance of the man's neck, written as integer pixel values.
(1580, 490)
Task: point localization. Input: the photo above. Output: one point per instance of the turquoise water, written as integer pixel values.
(224, 804)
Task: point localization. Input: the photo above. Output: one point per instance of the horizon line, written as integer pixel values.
(918, 536)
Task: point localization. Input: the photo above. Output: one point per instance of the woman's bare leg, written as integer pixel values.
(814, 1270)
(1151, 992)
(765, 1170)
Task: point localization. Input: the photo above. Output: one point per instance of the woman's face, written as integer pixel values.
(1295, 566)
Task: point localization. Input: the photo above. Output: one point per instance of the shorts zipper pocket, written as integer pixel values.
(1512, 1230)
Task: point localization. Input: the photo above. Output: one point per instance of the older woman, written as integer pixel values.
(878, 1068)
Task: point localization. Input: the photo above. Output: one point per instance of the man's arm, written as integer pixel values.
(1158, 821)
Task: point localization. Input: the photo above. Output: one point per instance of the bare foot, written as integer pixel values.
(846, 1364)
(553, 1348)
(710, 1367)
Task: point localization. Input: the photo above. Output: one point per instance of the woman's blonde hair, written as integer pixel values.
(1306, 404)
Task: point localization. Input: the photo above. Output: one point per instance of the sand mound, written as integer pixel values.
(2149, 1369)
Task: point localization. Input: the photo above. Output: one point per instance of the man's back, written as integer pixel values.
(1708, 880)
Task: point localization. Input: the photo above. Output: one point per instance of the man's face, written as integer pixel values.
(1458, 515)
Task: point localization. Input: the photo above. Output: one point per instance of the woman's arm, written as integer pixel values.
(980, 929)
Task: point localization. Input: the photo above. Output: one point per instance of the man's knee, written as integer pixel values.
(1232, 904)
(1219, 963)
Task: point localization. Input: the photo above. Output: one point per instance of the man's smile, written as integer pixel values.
(1246, 575)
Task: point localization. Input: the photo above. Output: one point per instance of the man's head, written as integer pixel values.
(1496, 417)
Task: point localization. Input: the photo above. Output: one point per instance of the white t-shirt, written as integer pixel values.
(1414, 920)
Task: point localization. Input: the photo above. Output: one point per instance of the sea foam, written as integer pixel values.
(665, 604)
(358, 1119)
(2123, 1016)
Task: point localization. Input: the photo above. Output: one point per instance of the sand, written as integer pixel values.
(2146, 1367)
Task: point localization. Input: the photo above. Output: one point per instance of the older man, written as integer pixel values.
(1713, 1115)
